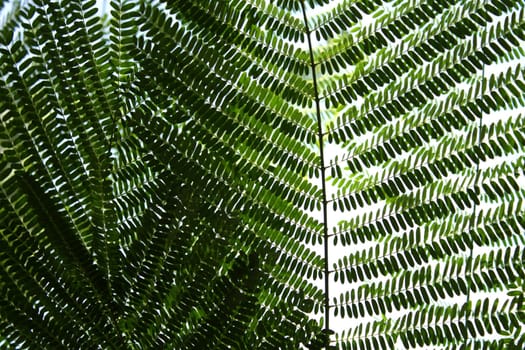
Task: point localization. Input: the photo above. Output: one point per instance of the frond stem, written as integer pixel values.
(474, 208)
(323, 178)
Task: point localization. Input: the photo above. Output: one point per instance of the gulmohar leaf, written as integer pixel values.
(182, 174)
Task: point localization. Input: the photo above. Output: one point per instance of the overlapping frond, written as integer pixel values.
(155, 167)
(170, 169)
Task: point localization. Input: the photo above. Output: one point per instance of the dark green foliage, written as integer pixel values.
(160, 174)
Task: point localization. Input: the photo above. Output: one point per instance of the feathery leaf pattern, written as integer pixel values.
(289, 174)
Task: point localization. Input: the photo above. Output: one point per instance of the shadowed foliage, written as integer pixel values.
(239, 174)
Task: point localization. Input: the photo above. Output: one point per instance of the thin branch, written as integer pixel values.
(323, 179)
